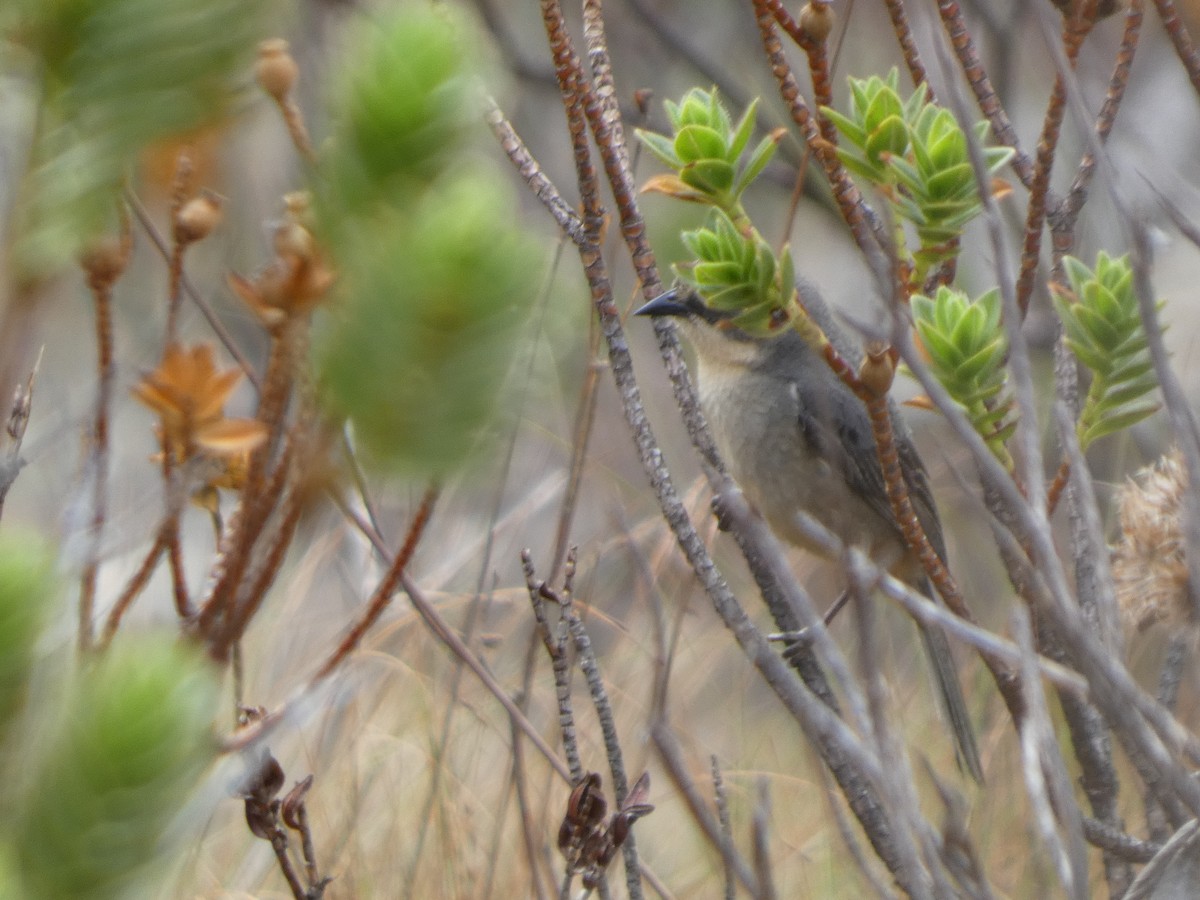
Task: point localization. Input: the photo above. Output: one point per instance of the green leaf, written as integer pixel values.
(714, 273)
(754, 166)
(996, 158)
(848, 128)
(890, 137)
(986, 359)
(940, 349)
(697, 142)
(714, 176)
(1077, 273)
(1099, 330)
(741, 135)
(662, 147)
(1116, 423)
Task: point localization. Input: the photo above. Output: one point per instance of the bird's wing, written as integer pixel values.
(835, 426)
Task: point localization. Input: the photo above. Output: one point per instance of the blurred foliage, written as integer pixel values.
(434, 276)
(114, 75)
(434, 296)
(26, 601)
(402, 110)
(131, 735)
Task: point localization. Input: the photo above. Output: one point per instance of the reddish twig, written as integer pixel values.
(1057, 486)
(810, 33)
(981, 85)
(1075, 30)
(1062, 219)
(875, 381)
(135, 587)
(1180, 39)
(180, 188)
(849, 200)
(382, 596)
(103, 265)
(908, 46)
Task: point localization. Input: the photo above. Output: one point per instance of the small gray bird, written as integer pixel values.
(795, 437)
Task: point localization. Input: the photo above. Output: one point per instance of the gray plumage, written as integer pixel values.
(796, 438)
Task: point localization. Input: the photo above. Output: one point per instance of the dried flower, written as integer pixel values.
(817, 20)
(276, 70)
(299, 277)
(1149, 565)
(198, 217)
(189, 395)
(103, 261)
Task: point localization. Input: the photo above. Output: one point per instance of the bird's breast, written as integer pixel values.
(755, 421)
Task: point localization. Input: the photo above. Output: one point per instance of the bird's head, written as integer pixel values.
(711, 332)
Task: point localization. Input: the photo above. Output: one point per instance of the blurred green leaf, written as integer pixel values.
(133, 736)
(434, 297)
(26, 601)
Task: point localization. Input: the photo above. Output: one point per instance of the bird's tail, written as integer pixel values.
(954, 704)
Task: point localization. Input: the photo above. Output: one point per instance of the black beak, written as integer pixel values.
(668, 303)
(684, 303)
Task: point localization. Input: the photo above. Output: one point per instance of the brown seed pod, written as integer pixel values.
(276, 70)
(197, 218)
(817, 20)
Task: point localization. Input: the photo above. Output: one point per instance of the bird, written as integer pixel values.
(796, 438)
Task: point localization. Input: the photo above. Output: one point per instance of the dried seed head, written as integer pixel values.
(1148, 561)
(275, 70)
(817, 20)
(103, 261)
(878, 370)
(197, 218)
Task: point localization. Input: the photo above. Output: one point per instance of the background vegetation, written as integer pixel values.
(301, 364)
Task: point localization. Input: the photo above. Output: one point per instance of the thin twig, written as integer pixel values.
(381, 598)
(210, 316)
(981, 85)
(760, 822)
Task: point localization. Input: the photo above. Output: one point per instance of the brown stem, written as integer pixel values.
(1062, 220)
(261, 492)
(1075, 29)
(1057, 486)
(251, 597)
(981, 85)
(382, 596)
(98, 456)
(850, 202)
(1180, 39)
(135, 586)
(293, 118)
(180, 188)
(279, 843)
(1007, 680)
(818, 64)
(908, 46)
(210, 316)
(183, 603)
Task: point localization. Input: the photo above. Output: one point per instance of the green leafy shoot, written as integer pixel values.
(1104, 330)
(967, 349)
